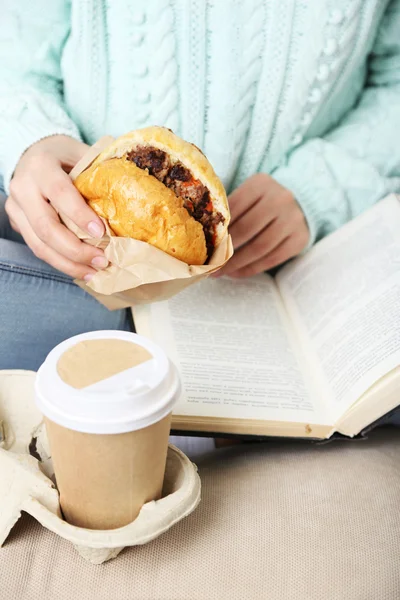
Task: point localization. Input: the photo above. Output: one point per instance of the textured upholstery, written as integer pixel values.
(277, 521)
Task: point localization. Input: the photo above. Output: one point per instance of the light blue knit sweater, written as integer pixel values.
(306, 90)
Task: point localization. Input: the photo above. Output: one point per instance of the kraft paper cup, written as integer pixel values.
(107, 399)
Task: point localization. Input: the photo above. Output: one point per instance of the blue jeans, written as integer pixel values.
(39, 306)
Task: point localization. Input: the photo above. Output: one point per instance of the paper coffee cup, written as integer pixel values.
(107, 399)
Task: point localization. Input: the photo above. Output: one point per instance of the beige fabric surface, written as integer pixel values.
(277, 522)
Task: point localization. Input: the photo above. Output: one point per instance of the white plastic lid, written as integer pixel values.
(129, 400)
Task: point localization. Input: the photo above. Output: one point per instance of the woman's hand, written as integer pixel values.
(39, 186)
(268, 227)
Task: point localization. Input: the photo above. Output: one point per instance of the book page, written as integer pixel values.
(236, 357)
(343, 297)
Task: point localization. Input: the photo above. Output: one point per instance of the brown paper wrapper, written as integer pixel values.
(138, 273)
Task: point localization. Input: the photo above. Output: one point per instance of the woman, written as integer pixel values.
(297, 105)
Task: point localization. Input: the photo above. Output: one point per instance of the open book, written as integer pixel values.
(311, 352)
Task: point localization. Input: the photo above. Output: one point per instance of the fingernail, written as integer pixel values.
(95, 229)
(88, 277)
(100, 262)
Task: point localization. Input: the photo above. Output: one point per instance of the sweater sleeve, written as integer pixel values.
(31, 92)
(336, 177)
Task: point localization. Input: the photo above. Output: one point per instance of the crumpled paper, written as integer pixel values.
(138, 273)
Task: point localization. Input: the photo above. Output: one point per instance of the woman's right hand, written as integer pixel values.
(40, 186)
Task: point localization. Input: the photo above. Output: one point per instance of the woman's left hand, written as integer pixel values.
(267, 227)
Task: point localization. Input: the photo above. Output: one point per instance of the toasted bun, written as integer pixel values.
(140, 206)
(137, 205)
(179, 150)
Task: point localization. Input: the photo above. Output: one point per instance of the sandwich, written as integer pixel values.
(153, 186)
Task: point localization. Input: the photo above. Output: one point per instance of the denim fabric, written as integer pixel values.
(39, 306)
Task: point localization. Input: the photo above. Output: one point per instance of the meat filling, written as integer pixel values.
(196, 197)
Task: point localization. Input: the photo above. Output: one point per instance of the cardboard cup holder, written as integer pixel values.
(26, 469)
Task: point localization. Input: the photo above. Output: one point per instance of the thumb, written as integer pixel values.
(71, 152)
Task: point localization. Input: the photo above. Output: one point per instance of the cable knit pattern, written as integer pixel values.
(306, 90)
(98, 67)
(224, 80)
(248, 56)
(163, 72)
(192, 36)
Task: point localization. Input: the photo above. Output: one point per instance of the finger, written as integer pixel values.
(73, 152)
(250, 224)
(264, 243)
(57, 187)
(14, 226)
(288, 249)
(8, 210)
(63, 195)
(246, 195)
(45, 253)
(47, 226)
